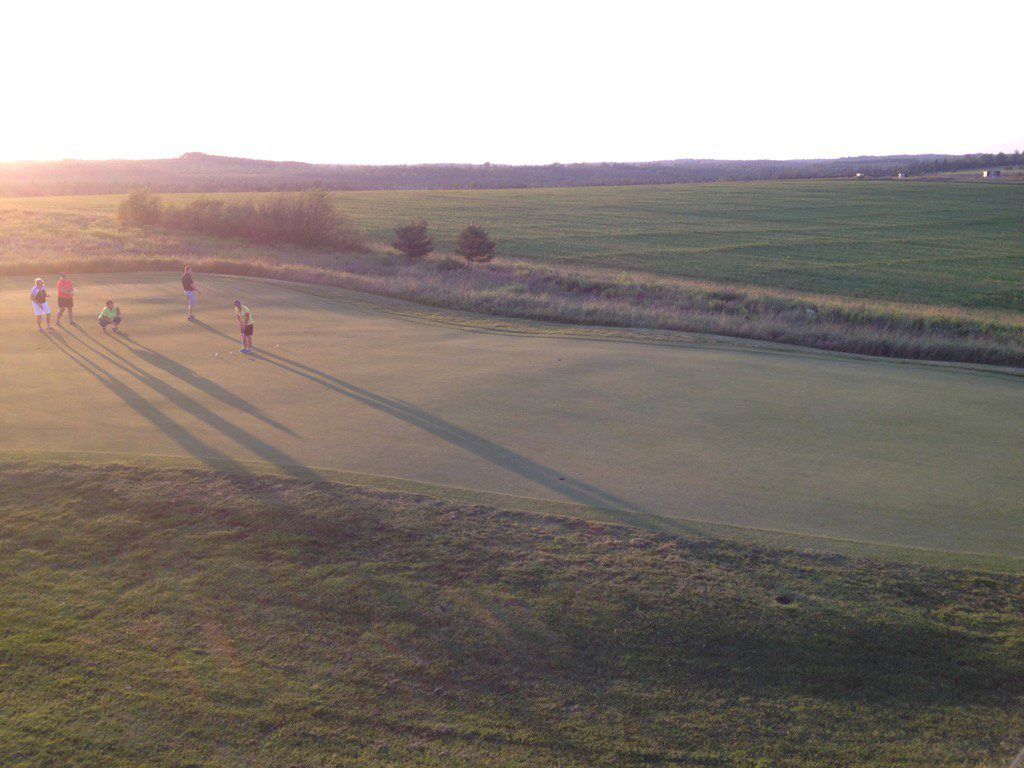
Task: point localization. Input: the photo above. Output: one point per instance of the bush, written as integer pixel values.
(306, 219)
(412, 240)
(475, 245)
(140, 209)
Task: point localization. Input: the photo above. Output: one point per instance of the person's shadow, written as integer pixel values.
(136, 402)
(210, 387)
(112, 360)
(523, 466)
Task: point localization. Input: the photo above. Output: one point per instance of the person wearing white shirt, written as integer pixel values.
(40, 305)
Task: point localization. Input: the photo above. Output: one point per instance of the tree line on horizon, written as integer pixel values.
(198, 172)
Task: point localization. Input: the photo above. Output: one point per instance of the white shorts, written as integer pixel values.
(190, 297)
(41, 309)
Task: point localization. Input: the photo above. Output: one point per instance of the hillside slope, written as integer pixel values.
(186, 617)
(198, 172)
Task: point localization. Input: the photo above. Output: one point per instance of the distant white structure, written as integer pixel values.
(901, 175)
(990, 174)
(858, 175)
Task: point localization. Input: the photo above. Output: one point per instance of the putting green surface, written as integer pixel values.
(843, 448)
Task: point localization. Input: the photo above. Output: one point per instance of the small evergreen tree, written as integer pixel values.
(412, 239)
(140, 209)
(475, 245)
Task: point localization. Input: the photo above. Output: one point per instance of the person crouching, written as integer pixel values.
(110, 315)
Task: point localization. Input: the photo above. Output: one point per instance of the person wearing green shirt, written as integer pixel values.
(110, 315)
(245, 322)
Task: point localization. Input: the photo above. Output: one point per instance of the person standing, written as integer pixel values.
(40, 305)
(245, 323)
(110, 315)
(65, 299)
(189, 285)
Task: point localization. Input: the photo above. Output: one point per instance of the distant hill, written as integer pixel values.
(198, 172)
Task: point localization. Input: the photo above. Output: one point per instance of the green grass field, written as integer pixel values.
(932, 243)
(183, 617)
(753, 438)
(401, 535)
(927, 243)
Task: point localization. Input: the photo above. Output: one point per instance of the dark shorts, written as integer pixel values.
(248, 330)
(66, 302)
(115, 322)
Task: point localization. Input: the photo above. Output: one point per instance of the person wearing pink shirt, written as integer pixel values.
(65, 299)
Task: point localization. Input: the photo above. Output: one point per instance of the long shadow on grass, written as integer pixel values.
(576, 490)
(261, 448)
(208, 386)
(179, 434)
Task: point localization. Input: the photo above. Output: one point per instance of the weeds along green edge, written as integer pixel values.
(485, 322)
(520, 326)
(843, 326)
(688, 528)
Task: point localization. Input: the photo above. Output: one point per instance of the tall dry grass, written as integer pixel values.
(602, 297)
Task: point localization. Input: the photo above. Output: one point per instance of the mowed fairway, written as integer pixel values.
(873, 451)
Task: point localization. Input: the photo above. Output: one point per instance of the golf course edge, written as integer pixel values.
(686, 527)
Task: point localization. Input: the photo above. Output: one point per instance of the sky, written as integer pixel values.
(524, 82)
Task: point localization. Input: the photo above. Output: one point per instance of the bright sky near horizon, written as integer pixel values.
(524, 82)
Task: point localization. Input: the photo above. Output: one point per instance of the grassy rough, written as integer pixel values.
(188, 617)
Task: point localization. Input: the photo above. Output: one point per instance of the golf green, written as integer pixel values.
(839, 447)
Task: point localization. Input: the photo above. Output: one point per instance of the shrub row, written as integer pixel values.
(308, 219)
